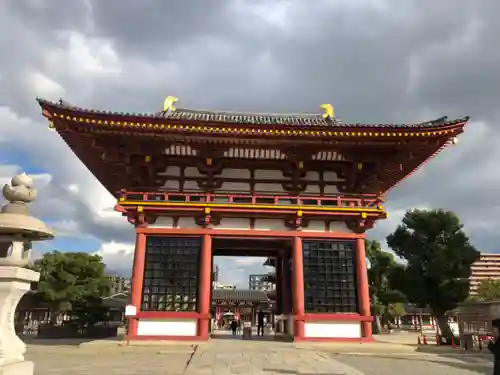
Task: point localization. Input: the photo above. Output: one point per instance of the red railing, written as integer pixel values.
(257, 199)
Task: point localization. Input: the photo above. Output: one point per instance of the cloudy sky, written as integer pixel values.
(375, 60)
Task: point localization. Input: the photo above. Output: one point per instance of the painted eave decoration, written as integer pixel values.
(172, 119)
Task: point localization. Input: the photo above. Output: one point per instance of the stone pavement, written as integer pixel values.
(73, 360)
(418, 365)
(227, 357)
(235, 356)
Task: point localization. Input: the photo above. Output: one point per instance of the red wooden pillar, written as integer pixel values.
(363, 293)
(298, 288)
(137, 278)
(205, 286)
(279, 285)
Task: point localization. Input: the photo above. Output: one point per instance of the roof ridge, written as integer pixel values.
(64, 103)
(240, 113)
(299, 119)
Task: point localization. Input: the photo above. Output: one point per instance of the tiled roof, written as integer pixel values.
(270, 261)
(315, 120)
(412, 309)
(239, 295)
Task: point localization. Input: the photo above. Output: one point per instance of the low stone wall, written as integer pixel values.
(72, 331)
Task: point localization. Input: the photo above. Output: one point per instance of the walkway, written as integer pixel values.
(227, 357)
(237, 356)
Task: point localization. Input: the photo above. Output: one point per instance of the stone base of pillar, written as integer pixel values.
(14, 283)
(18, 368)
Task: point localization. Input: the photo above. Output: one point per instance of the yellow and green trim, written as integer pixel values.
(255, 131)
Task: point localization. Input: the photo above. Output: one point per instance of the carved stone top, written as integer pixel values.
(19, 193)
(16, 222)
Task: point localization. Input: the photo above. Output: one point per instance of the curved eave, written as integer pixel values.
(270, 262)
(79, 128)
(433, 154)
(249, 124)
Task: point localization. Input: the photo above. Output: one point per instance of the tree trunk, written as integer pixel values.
(376, 317)
(386, 318)
(444, 326)
(54, 314)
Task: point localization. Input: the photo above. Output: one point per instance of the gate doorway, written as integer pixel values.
(250, 303)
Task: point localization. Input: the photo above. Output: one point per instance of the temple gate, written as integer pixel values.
(303, 189)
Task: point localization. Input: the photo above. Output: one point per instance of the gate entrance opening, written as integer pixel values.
(243, 304)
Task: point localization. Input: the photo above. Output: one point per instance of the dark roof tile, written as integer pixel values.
(316, 120)
(239, 295)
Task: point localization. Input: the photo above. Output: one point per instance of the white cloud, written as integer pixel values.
(7, 171)
(236, 270)
(45, 86)
(117, 256)
(377, 60)
(84, 56)
(248, 261)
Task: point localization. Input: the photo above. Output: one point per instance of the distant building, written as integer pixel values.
(119, 284)
(486, 267)
(264, 283)
(220, 286)
(215, 273)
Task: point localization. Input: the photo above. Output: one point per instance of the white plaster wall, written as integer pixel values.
(191, 186)
(167, 327)
(333, 329)
(187, 223)
(331, 189)
(171, 185)
(235, 173)
(260, 174)
(312, 176)
(163, 222)
(315, 226)
(339, 226)
(234, 223)
(192, 172)
(330, 176)
(172, 171)
(264, 174)
(269, 189)
(312, 190)
(270, 224)
(231, 187)
(244, 223)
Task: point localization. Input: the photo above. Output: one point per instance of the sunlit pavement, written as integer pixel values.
(237, 356)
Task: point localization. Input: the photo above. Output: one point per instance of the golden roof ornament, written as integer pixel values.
(168, 104)
(328, 111)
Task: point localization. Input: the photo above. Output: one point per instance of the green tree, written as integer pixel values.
(89, 311)
(70, 278)
(383, 292)
(487, 290)
(439, 256)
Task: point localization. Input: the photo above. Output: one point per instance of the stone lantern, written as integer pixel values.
(18, 229)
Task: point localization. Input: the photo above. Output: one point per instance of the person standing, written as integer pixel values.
(494, 346)
(260, 323)
(238, 327)
(234, 327)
